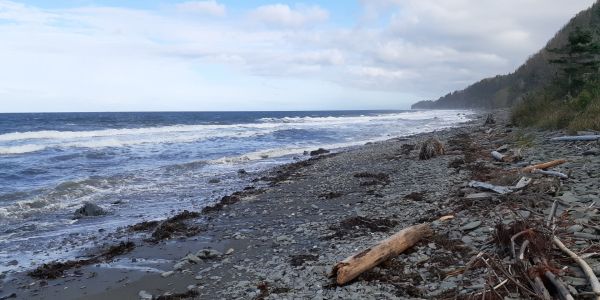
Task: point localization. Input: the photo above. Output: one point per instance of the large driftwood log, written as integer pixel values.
(355, 265)
(545, 165)
(584, 266)
(572, 138)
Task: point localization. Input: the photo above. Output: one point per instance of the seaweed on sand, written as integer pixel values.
(373, 178)
(232, 199)
(175, 226)
(191, 294)
(300, 259)
(416, 196)
(57, 269)
(358, 225)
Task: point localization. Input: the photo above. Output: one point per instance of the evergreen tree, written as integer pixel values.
(579, 59)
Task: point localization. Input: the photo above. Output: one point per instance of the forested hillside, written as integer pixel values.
(539, 72)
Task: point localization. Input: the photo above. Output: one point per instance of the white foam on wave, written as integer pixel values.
(21, 149)
(41, 140)
(65, 135)
(25, 142)
(453, 115)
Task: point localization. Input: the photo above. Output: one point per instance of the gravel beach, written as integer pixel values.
(279, 238)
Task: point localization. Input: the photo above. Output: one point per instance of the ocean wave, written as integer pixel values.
(70, 140)
(33, 141)
(21, 149)
(450, 115)
(64, 194)
(265, 123)
(70, 135)
(188, 166)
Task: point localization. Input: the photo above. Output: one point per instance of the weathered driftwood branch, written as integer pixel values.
(550, 173)
(559, 285)
(498, 156)
(523, 182)
(446, 218)
(572, 138)
(488, 186)
(552, 213)
(541, 288)
(583, 265)
(545, 165)
(355, 265)
(523, 249)
(587, 236)
(514, 238)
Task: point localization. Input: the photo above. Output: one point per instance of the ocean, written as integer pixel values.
(148, 165)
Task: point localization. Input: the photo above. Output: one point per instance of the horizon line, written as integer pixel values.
(215, 111)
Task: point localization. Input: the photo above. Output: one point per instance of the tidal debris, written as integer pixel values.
(55, 270)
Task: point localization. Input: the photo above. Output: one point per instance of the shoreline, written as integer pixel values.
(315, 212)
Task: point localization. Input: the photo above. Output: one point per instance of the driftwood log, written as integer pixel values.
(572, 138)
(356, 264)
(545, 165)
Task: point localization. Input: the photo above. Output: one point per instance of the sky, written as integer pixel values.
(151, 55)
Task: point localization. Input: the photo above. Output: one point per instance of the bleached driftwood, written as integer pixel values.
(488, 186)
(523, 182)
(550, 173)
(446, 218)
(355, 265)
(572, 138)
(498, 156)
(545, 165)
(514, 238)
(552, 213)
(523, 249)
(583, 265)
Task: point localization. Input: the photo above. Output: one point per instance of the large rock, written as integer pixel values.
(89, 210)
(208, 253)
(319, 152)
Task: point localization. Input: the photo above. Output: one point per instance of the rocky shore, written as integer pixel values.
(279, 238)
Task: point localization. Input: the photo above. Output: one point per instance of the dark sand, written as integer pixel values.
(314, 213)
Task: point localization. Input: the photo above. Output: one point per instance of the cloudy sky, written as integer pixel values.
(117, 55)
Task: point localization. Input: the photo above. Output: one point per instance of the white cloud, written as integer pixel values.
(109, 58)
(283, 15)
(210, 7)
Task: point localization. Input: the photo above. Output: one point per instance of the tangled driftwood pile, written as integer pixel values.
(431, 148)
